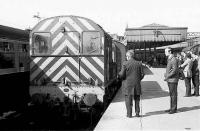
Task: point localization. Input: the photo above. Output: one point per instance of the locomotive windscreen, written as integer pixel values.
(91, 42)
(40, 44)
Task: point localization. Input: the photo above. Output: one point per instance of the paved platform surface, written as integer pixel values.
(155, 100)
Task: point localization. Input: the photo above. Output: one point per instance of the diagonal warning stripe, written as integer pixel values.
(63, 70)
(75, 25)
(46, 24)
(48, 60)
(99, 62)
(86, 23)
(92, 68)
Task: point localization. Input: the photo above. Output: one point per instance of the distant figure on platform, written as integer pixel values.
(180, 58)
(131, 74)
(187, 65)
(171, 76)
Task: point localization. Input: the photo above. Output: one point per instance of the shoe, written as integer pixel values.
(196, 95)
(129, 116)
(187, 96)
(137, 115)
(167, 110)
(172, 112)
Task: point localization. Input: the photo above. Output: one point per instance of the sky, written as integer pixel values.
(113, 15)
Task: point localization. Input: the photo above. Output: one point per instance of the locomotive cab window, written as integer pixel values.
(91, 42)
(6, 46)
(40, 44)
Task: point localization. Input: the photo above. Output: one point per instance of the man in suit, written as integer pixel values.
(131, 74)
(172, 77)
(195, 73)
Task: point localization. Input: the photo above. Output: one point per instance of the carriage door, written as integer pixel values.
(72, 54)
(91, 60)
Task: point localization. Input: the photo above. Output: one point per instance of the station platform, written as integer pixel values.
(155, 100)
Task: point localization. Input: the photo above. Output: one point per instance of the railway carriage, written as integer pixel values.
(14, 46)
(73, 56)
(14, 67)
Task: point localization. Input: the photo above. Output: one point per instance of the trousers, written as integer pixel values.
(195, 81)
(188, 86)
(129, 104)
(173, 95)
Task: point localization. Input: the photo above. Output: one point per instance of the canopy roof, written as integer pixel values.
(149, 26)
(156, 33)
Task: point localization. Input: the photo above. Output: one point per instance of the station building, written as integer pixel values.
(149, 41)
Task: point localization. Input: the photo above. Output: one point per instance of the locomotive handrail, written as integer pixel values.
(112, 81)
(81, 55)
(92, 51)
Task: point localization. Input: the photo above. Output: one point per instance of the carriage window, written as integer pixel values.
(91, 42)
(6, 46)
(113, 53)
(7, 56)
(24, 48)
(7, 60)
(40, 44)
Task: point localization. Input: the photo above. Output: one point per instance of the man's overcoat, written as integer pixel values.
(131, 74)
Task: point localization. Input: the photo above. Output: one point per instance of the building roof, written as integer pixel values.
(155, 26)
(14, 33)
(156, 33)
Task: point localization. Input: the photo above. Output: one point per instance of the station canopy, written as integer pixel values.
(155, 35)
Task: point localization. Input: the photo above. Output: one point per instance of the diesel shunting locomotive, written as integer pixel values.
(74, 57)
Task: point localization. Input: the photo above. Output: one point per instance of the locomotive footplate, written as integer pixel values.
(74, 91)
